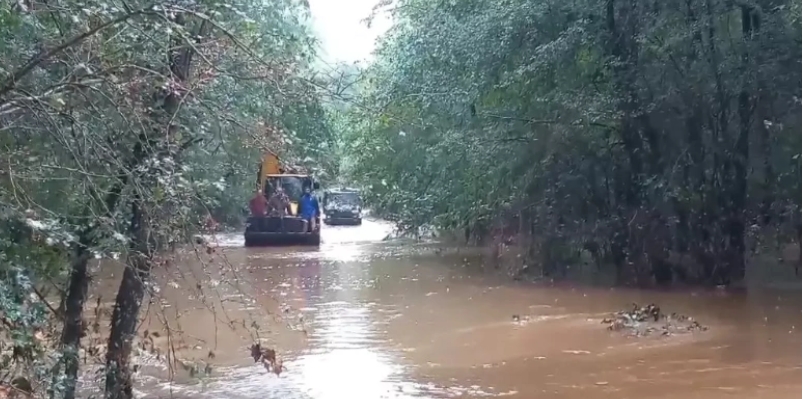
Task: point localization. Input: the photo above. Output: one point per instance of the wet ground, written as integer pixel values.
(362, 318)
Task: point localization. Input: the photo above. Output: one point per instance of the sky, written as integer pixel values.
(343, 35)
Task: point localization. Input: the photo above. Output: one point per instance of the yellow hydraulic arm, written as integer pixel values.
(269, 166)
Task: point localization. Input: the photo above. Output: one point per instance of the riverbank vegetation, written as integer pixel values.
(124, 125)
(661, 138)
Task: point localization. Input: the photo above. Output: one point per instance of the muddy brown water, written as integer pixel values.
(361, 318)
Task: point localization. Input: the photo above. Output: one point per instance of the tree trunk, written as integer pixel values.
(73, 322)
(766, 213)
(72, 332)
(119, 382)
(624, 51)
(737, 215)
(127, 309)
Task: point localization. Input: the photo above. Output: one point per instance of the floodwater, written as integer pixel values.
(361, 318)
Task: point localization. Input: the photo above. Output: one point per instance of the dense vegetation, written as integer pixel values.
(657, 136)
(124, 125)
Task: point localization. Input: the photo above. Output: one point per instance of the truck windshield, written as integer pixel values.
(343, 199)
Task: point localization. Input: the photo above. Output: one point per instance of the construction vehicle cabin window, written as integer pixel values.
(292, 185)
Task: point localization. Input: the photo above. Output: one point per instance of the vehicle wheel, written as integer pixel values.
(360, 222)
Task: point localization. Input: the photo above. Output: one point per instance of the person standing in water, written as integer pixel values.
(309, 208)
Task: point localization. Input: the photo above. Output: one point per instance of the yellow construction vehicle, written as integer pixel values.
(286, 228)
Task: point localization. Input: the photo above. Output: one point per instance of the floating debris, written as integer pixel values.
(268, 357)
(649, 320)
(576, 352)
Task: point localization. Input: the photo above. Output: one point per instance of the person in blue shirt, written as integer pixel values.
(309, 208)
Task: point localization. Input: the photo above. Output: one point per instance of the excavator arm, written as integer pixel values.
(270, 165)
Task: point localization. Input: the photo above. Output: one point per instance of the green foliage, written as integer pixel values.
(117, 115)
(586, 121)
(24, 316)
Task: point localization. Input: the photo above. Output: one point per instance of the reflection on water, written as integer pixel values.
(359, 318)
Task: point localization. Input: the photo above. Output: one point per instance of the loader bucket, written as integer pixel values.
(279, 231)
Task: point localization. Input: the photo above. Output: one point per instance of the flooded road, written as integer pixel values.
(362, 318)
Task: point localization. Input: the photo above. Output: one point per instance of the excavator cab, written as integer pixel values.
(287, 228)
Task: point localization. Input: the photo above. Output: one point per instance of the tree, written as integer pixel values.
(124, 124)
(593, 124)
